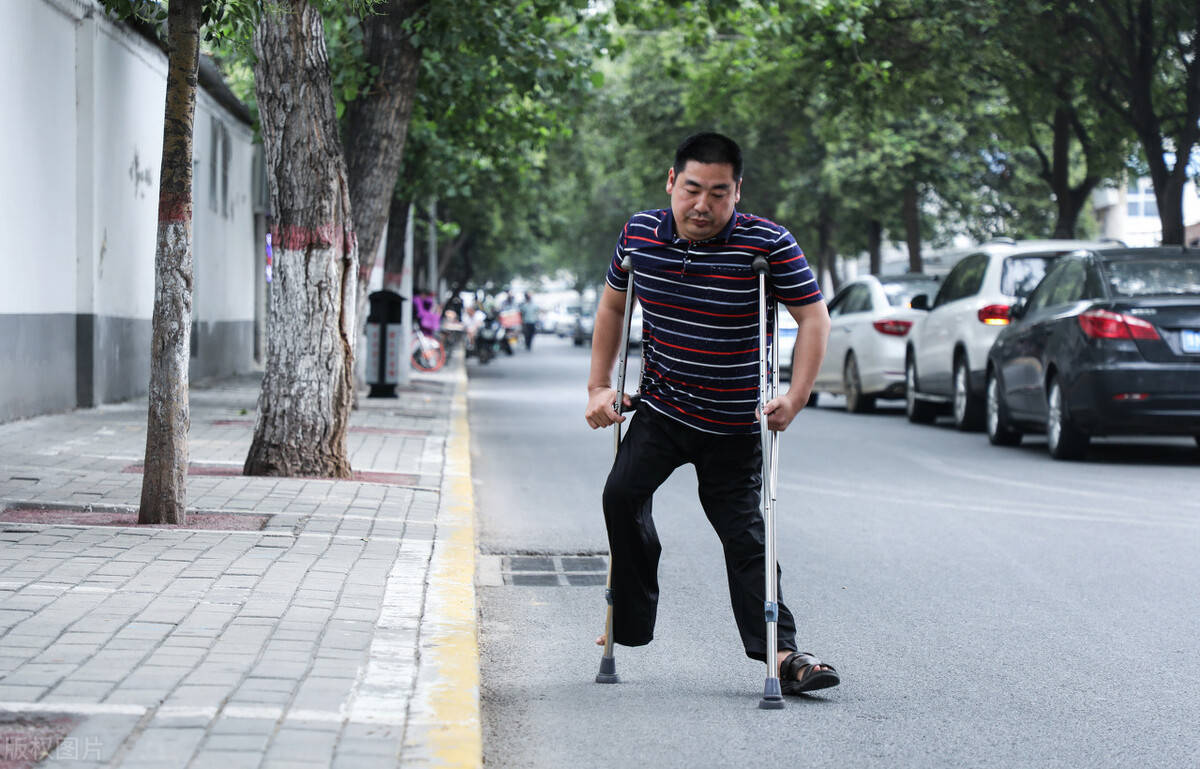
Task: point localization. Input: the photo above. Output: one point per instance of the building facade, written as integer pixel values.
(1130, 213)
(79, 170)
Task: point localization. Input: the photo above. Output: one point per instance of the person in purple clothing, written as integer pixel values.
(427, 313)
(698, 404)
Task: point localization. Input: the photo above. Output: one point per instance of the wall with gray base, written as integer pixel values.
(37, 364)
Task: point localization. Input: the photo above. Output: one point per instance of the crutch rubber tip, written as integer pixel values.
(772, 698)
(608, 671)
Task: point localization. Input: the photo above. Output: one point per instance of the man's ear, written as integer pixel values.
(670, 179)
(737, 191)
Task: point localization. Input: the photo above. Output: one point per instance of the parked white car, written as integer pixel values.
(565, 319)
(635, 325)
(946, 358)
(870, 319)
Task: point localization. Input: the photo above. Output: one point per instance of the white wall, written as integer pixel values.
(80, 155)
(127, 125)
(37, 159)
(224, 246)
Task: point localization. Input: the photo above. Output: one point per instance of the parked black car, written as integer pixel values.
(1108, 344)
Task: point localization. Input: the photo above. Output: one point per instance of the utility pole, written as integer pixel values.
(431, 252)
(404, 366)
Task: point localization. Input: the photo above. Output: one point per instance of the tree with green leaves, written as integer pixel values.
(308, 386)
(164, 482)
(377, 118)
(499, 83)
(1146, 55)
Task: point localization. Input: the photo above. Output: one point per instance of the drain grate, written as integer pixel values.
(544, 570)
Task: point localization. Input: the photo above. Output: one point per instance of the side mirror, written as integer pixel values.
(920, 302)
(1017, 310)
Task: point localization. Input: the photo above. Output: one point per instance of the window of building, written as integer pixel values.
(1140, 200)
(218, 168)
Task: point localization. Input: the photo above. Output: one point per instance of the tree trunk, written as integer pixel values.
(164, 480)
(1056, 172)
(826, 253)
(1148, 121)
(1170, 206)
(308, 386)
(377, 126)
(393, 256)
(911, 213)
(875, 245)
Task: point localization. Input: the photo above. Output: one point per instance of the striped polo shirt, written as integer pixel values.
(700, 313)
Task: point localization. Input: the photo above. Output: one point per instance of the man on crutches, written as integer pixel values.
(692, 270)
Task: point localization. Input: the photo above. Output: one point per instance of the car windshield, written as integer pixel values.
(900, 293)
(1022, 274)
(1151, 277)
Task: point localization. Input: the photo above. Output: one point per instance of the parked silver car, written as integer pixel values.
(946, 358)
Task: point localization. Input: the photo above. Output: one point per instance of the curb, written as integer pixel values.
(445, 725)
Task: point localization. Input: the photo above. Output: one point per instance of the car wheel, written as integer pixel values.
(999, 430)
(918, 411)
(814, 396)
(1063, 438)
(968, 407)
(856, 402)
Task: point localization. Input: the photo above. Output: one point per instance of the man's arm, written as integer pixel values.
(606, 339)
(812, 335)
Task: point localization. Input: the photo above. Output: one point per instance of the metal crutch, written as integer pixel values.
(772, 698)
(608, 664)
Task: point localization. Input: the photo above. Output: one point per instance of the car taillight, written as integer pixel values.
(892, 327)
(994, 315)
(1104, 324)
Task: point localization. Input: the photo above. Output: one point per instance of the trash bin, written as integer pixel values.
(384, 331)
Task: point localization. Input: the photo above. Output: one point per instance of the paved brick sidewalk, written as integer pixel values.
(340, 635)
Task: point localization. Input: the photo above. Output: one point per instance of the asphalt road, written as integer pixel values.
(986, 607)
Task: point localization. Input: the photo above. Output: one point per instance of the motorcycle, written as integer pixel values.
(491, 339)
(510, 321)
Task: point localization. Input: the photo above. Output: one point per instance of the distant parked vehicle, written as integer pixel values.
(1108, 344)
(566, 320)
(870, 319)
(581, 331)
(946, 359)
(635, 325)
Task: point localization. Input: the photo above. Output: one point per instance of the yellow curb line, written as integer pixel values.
(450, 636)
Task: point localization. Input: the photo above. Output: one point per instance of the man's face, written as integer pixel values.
(702, 198)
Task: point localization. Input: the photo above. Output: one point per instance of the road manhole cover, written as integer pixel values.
(545, 570)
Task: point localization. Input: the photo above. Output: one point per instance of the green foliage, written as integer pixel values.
(500, 83)
(540, 125)
(142, 10)
(219, 19)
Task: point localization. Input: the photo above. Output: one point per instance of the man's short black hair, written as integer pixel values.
(709, 147)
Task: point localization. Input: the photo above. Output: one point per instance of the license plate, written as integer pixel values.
(1190, 340)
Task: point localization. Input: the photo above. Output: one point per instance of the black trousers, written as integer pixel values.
(729, 470)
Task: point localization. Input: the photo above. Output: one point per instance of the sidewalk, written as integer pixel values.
(340, 634)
